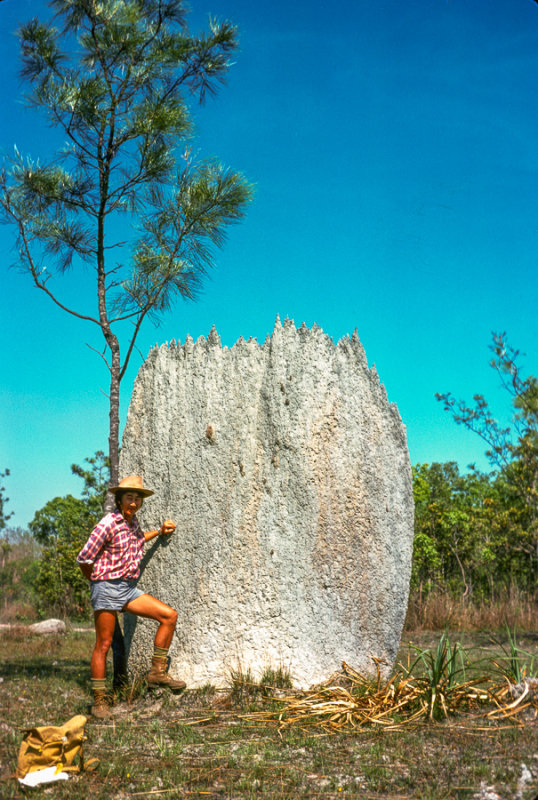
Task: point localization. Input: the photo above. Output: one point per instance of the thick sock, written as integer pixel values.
(98, 684)
(160, 652)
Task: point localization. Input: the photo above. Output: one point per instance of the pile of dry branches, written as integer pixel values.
(354, 700)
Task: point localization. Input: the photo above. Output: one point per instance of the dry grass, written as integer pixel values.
(257, 744)
(432, 687)
(12, 613)
(394, 704)
(439, 611)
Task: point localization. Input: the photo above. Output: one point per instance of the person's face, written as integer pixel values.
(130, 503)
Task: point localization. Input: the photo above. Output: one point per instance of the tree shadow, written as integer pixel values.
(42, 668)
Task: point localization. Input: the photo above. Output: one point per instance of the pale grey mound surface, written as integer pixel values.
(287, 472)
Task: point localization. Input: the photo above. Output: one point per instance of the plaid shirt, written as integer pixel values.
(114, 548)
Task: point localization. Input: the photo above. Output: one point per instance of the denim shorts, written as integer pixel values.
(113, 595)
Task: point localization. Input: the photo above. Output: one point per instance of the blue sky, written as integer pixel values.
(394, 151)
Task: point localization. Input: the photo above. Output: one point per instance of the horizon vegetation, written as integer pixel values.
(475, 554)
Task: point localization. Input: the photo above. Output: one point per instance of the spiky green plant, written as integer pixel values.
(516, 664)
(442, 674)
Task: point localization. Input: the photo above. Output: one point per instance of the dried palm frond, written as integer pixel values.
(352, 700)
(509, 699)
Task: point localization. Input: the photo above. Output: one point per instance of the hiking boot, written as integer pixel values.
(100, 708)
(158, 677)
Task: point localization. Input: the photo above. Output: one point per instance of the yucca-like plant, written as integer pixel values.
(441, 677)
(516, 664)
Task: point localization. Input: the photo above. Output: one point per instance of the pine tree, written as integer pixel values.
(124, 197)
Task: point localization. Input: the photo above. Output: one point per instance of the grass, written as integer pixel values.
(231, 745)
(440, 610)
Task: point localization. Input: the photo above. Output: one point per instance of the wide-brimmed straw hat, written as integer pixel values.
(132, 483)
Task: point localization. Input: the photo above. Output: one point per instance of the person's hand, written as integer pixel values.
(87, 570)
(168, 527)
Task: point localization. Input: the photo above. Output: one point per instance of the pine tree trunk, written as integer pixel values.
(114, 420)
(114, 417)
(118, 644)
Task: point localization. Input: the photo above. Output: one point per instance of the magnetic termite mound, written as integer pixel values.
(288, 474)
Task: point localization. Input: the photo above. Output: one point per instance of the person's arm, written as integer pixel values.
(87, 556)
(167, 528)
(86, 569)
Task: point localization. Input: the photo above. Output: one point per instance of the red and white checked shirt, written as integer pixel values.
(114, 548)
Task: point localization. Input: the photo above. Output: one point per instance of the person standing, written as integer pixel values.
(110, 560)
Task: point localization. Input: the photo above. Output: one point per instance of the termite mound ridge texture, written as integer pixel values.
(288, 474)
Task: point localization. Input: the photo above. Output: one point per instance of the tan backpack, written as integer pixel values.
(51, 746)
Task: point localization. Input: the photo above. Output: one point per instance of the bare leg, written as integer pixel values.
(105, 622)
(150, 607)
